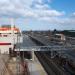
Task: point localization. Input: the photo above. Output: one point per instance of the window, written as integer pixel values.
(5, 35)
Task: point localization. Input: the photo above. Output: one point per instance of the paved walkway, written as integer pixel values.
(3, 69)
(35, 67)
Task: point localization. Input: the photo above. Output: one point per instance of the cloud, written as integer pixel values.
(72, 15)
(40, 4)
(49, 13)
(58, 20)
(25, 8)
(37, 9)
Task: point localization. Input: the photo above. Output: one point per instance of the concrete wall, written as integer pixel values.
(5, 49)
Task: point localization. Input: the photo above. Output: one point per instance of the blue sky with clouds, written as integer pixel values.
(39, 14)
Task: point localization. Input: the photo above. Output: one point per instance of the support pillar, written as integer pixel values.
(32, 55)
(52, 54)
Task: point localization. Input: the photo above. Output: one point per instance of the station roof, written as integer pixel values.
(27, 42)
(9, 28)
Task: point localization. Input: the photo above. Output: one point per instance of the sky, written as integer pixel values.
(38, 14)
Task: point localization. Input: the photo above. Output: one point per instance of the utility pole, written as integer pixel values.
(13, 43)
(18, 55)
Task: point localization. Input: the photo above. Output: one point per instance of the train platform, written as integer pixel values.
(14, 66)
(35, 67)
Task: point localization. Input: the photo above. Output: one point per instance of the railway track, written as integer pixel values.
(62, 64)
(50, 67)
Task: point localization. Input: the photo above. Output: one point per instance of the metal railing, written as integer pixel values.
(47, 48)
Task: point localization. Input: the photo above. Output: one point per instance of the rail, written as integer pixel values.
(50, 67)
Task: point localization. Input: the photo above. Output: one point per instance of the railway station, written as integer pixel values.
(36, 53)
(37, 37)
